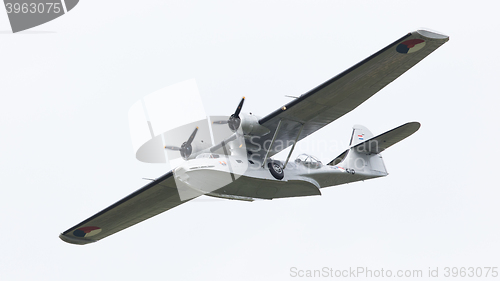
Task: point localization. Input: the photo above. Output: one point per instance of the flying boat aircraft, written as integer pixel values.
(242, 167)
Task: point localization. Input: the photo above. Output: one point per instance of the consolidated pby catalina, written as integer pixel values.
(242, 167)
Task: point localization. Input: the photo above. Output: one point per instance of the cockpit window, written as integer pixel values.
(301, 158)
(308, 161)
(207, 155)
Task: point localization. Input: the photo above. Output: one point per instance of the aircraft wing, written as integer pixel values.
(344, 92)
(152, 199)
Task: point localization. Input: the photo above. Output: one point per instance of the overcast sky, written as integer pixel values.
(66, 151)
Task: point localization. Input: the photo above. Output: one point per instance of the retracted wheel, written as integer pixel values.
(276, 170)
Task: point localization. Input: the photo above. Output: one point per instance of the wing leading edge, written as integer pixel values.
(152, 199)
(346, 91)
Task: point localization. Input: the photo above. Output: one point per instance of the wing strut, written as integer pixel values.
(272, 142)
(293, 146)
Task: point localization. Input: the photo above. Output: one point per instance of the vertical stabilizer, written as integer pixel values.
(359, 134)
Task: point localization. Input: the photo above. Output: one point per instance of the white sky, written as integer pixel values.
(66, 151)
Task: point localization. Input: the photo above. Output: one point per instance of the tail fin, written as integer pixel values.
(364, 153)
(359, 135)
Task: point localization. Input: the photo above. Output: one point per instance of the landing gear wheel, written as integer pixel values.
(276, 170)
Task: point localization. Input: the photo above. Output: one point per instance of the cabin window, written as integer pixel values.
(302, 158)
(208, 155)
(308, 161)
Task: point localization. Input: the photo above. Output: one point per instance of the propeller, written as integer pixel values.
(234, 120)
(186, 149)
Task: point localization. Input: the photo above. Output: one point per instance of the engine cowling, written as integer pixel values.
(250, 125)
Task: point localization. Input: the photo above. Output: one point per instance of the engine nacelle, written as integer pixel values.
(198, 146)
(251, 127)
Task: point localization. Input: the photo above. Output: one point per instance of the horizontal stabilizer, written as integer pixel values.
(383, 141)
(339, 158)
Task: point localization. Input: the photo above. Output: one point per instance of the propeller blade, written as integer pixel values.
(223, 143)
(171, 147)
(238, 109)
(220, 122)
(193, 134)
